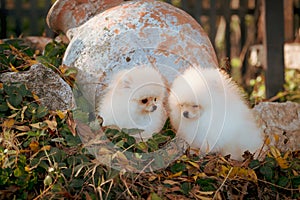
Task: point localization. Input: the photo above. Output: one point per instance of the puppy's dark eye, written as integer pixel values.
(144, 101)
(155, 99)
(195, 106)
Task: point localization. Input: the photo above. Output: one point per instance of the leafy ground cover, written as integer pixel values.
(42, 156)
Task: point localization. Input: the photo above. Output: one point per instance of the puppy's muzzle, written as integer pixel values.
(153, 108)
(186, 114)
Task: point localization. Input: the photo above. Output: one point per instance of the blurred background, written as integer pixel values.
(236, 29)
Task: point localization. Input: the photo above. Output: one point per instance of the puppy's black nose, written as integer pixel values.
(154, 108)
(186, 114)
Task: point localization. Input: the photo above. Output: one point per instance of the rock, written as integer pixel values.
(53, 91)
(281, 122)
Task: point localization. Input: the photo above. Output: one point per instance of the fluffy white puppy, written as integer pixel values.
(134, 99)
(207, 110)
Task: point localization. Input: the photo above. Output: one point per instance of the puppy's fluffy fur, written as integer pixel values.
(134, 99)
(207, 110)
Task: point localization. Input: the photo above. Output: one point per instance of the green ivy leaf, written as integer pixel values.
(81, 116)
(56, 188)
(34, 162)
(154, 196)
(24, 91)
(3, 60)
(53, 54)
(186, 187)
(111, 132)
(152, 145)
(283, 181)
(178, 167)
(270, 162)
(31, 110)
(296, 181)
(67, 172)
(48, 180)
(77, 183)
(71, 160)
(71, 70)
(41, 112)
(18, 172)
(120, 144)
(206, 184)
(130, 141)
(267, 172)
(3, 107)
(254, 164)
(15, 99)
(4, 47)
(58, 154)
(133, 131)
(159, 138)
(4, 175)
(142, 146)
(43, 164)
(8, 89)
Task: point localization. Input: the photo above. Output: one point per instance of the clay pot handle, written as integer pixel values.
(68, 14)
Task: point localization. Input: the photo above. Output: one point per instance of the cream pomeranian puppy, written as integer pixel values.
(134, 99)
(207, 110)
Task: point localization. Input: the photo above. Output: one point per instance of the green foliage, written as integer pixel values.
(124, 140)
(53, 54)
(280, 172)
(291, 89)
(258, 90)
(15, 55)
(33, 155)
(207, 184)
(16, 101)
(19, 124)
(42, 156)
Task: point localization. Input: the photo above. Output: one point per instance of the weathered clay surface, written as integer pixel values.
(52, 90)
(281, 121)
(65, 15)
(131, 34)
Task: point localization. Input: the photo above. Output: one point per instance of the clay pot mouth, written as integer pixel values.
(68, 14)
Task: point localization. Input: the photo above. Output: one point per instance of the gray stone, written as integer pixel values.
(53, 91)
(281, 122)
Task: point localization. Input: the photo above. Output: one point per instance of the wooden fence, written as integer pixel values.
(217, 17)
(24, 17)
(232, 25)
